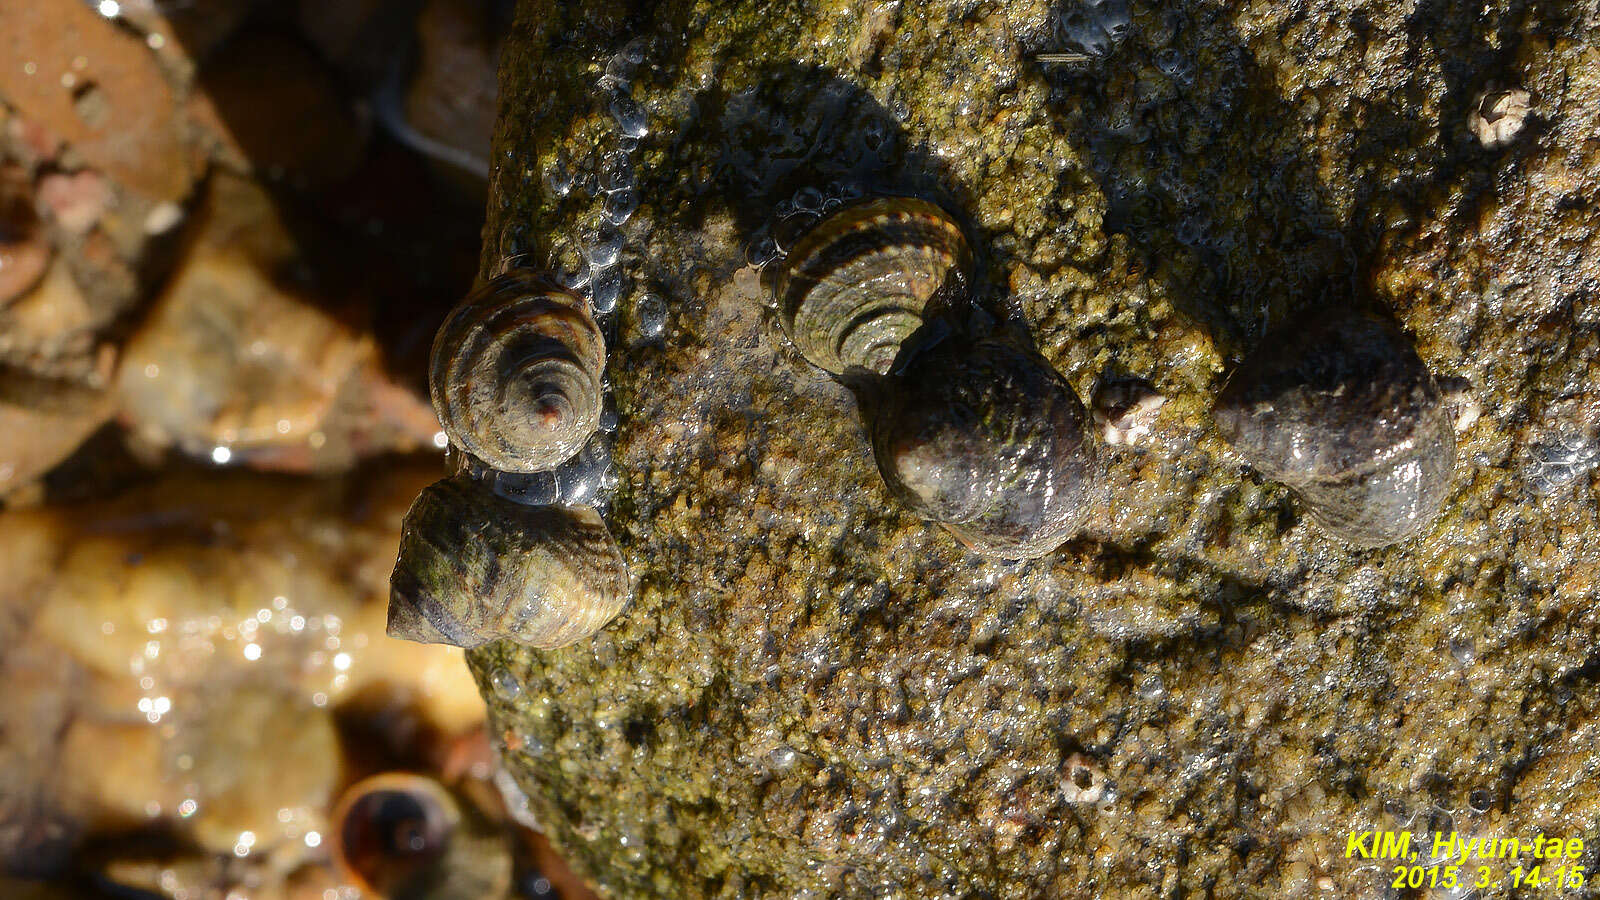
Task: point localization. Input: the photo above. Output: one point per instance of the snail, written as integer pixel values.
(400, 836)
(515, 373)
(475, 567)
(1340, 408)
(859, 281)
(981, 435)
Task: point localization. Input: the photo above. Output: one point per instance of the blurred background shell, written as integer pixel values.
(862, 279)
(403, 836)
(1339, 407)
(475, 567)
(515, 373)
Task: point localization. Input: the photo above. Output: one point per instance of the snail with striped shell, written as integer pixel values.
(862, 279)
(475, 567)
(515, 373)
(1340, 408)
(981, 435)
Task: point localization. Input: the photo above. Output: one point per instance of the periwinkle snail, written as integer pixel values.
(974, 431)
(981, 435)
(515, 373)
(475, 567)
(859, 281)
(1340, 408)
(402, 836)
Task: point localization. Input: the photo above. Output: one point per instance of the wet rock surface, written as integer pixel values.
(815, 694)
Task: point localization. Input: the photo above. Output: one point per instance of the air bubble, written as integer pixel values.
(527, 488)
(605, 248)
(808, 199)
(578, 480)
(630, 116)
(558, 181)
(620, 205)
(761, 251)
(605, 289)
(616, 172)
(651, 315)
(506, 685)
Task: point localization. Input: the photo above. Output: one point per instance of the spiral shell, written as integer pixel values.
(858, 282)
(475, 567)
(402, 836)
(1340, 408)
(515, 373)
(984, 437)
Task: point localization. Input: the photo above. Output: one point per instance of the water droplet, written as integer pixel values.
(630, 116)
(651, 315)
(558, 181)
(579, 479)
(529, 488)
(616, 172)
(620, 205)
(808, 199)
(606, 288)
(761, 251)
(604, 249)
(506, 685)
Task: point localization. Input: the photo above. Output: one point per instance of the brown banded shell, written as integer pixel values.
(402, 836)
(475, 567)
(857, 283)
(515, 373)
(985, 438)
(1340, 408)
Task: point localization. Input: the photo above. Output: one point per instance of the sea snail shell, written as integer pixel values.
(856, 284)
(515, 373)
(1340, 408)
(982, 436)
(402, 836)
(475, 567)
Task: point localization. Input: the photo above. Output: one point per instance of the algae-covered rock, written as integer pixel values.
(814, 694)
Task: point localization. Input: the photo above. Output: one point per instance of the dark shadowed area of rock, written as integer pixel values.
(814, 694)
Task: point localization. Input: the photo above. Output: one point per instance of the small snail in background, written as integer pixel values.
(981, 435)
(401, 836)
(475, 567)
(859, 281)
(1340, 408)
(515, 373)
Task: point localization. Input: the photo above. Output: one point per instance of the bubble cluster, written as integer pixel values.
(1092, 27)
(1559, 461)
(791, 217)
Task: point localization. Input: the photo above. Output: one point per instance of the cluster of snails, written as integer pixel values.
(970, 427)
(515, 377)
(977, 432)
